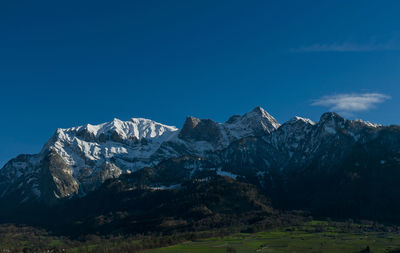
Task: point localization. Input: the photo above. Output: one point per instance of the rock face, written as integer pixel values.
(201, 130)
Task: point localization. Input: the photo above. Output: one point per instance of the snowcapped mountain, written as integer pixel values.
(300, 143)
(79, 159)
(334, 167)
(130, 144)
(255, 146)
(202, 136)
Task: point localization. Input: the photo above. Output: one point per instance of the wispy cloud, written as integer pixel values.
(391, 45)
(350, 103)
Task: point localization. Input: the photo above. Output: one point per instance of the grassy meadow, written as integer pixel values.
(313, 237)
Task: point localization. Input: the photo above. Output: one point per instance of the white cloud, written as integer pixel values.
(391, 45)
(348, 103)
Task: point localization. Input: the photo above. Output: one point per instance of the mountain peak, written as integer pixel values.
(200, 129)
(191, 122)
(258, 109)
(260, 116)
(366, 123)
(86, 137)
(331, 117)
(331, 123)
(296, 119)
(257, 122)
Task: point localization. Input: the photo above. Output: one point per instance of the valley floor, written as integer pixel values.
(309, 237)
(312, 237)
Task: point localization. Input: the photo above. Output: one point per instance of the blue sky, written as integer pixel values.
(67, 63)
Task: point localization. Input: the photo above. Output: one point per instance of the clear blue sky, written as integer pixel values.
(67, 63)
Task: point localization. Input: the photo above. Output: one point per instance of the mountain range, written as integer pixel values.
(334, 167)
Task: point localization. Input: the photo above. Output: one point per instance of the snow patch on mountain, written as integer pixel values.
(367, 123)
(226, 173)
(308, 121)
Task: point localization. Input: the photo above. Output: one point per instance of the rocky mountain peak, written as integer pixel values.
(330, 117)
(259, 109)
(200, 130)
(190, 123)
(363, 123)
(260, 112)
(259, 121)
(300, 120)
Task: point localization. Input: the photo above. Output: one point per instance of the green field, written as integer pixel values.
(312, 237)
(309, 237)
